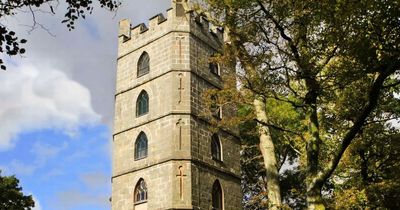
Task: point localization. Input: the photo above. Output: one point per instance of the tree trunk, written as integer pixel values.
(268, 152)
(363, 167)
(313, 181)
(314, 199)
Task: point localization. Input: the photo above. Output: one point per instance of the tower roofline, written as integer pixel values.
(174, 14)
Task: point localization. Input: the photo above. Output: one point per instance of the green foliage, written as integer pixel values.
(10, 43)
(370, 171)
(293, 188)
(11, 196)
(329, 72)
(252, 169)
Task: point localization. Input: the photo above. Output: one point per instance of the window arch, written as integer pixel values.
(140, 191)
(143, 64)
(142, 104)
(141, 146)
(216, 109)
(217, 196)
(216, 151)
(213, 64)
(214, 68)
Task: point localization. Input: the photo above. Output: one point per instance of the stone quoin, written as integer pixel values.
(165, 156)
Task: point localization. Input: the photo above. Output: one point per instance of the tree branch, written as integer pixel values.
(277, 127)
(373, 98)
(281, 30)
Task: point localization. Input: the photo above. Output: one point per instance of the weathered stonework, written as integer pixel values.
(178, 170)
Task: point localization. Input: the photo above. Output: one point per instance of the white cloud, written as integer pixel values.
(20, 168)
(96, 180)
(35, 98)
(42, 153)
(53, 173)
(395, 123)
(87, 54)
(71, 199)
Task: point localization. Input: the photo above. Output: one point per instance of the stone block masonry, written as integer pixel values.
(178, 170)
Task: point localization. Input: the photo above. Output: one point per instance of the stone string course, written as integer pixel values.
(179, 46)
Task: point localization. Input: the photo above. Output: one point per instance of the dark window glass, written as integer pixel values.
(215, 108)
(214, 68)
(216, 148)
(143, 64)
(141, 146)
(140, 191)
(142, 104)
(217, 196)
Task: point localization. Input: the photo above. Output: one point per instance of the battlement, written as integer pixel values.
(161, 138)
(179, 18)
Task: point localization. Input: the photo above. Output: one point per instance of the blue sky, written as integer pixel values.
(60, 169)
(57, 101)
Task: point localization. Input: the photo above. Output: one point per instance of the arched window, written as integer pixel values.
(216, 152)
(217, 197)
(213, 65)
(216, 109)
(141, 146)
(214, 68)
(143, 64)
(140, 191)
(142, 104)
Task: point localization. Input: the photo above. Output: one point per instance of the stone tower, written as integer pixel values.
(165, 156)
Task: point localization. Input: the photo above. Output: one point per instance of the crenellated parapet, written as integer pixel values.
(179, 18)
(162, 142)
(206, 27)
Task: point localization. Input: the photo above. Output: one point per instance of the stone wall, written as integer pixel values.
(203, 178)
(162, 183)
(178, 170)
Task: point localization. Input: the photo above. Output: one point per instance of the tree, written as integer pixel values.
(254, 179)
(11, 196)
(252, 166)
(372, 170)
(10, 43)
(334, 63)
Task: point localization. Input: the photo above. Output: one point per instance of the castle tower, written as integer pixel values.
(165, 156)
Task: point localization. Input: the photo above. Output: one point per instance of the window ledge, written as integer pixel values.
(141, 75)
(137, 116)
(217, 117)
(217, 160)
(141, 158)
(216, 74)
(140, 202)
